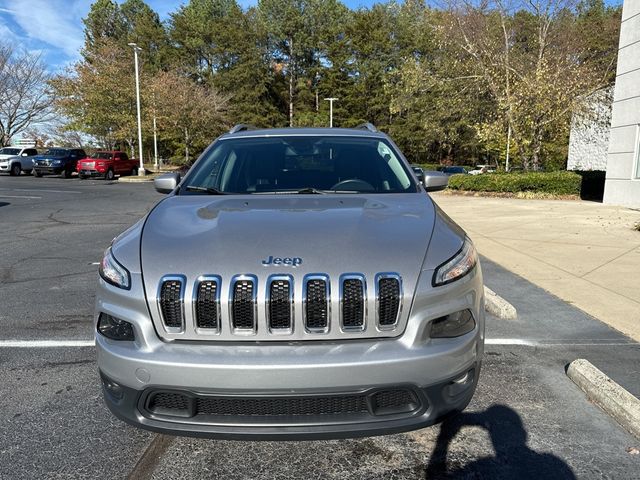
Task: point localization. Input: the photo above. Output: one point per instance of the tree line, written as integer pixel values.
(449, 83)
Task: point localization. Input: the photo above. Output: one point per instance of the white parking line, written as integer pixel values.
(39, 190)
(46, 343)
(19, 196)
(509, 341)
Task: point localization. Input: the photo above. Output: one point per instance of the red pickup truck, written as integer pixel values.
(107, 164)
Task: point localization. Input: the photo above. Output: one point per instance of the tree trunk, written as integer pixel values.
(186, 145)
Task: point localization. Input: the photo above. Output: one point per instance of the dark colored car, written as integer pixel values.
(454, 170)
(58, 161)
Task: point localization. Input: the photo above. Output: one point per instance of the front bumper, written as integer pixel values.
(276, 369)
(91, 173)
(48, 170)
(5, 167)
(429, 405)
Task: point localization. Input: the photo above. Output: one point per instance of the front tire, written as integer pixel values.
(16, 169)
(109, 175)
(134, 171)
(67, 173)
(37, 173)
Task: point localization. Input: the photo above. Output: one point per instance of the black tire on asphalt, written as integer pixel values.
(134, 171)
(67, 173)
(109, 175)
(15, 170)
(37, 173)
(81, 177)
(28, 172)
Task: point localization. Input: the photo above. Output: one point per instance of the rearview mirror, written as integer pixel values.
(434, 181)
(167, 183)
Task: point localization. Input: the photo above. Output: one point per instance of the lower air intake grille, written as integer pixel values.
(242, 306)
(171, 303)
(352, 303)
(278, 407)
(280, 305)
(316, 307)
(207, 304)
(287, 409)
(388, 300)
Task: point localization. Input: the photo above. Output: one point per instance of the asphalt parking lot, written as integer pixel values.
(527, 420)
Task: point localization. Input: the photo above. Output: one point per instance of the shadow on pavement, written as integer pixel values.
(513, 458)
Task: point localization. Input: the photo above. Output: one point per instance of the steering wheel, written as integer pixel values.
(353, 184)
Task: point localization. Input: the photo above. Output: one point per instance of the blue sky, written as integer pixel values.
(54, 27)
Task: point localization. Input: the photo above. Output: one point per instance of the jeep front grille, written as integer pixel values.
(207, 303)
(316, 303)
(171, 302)
(243, 304)
(282, 307)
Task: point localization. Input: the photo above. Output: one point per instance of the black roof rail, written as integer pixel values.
(242, 127)
(367, 126)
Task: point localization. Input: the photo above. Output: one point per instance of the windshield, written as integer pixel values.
(55, 152)
(313, 164)
(102, 156)
(10, 151)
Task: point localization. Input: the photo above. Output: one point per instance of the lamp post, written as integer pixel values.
(141, 171)
(331, 100)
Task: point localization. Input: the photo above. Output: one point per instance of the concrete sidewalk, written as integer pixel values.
(583, 252)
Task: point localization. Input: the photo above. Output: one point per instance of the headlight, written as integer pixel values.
(456, 267)
(114, 273)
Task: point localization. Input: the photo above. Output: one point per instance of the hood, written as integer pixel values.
(332, 234)
(4, 157)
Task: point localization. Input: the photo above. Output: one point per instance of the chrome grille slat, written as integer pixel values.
(171, 302)
(207, 303)
(388, 296)
(280, 303)
(352, 302)
(317, 301)
(243, 304)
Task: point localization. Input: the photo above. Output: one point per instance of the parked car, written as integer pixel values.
(57, 161)
(295, 283)
(482, 169)
(417, 169)
(14, 160)
(107, 164)
(453, 170)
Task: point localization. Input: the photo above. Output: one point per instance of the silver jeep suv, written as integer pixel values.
(296, 283)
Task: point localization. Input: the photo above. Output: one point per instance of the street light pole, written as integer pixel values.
(141, 171)
(331, 100)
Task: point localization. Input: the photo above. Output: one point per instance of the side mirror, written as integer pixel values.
(434, 181)
(167, 183)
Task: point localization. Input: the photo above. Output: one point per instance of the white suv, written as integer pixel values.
(14, 160)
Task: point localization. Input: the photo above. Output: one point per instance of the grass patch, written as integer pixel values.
(549, 183)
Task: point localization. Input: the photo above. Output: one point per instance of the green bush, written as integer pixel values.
(429, 166)
(556, 183)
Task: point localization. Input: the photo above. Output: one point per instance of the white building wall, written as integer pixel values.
(622, 186)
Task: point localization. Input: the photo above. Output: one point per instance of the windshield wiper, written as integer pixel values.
(209, 190)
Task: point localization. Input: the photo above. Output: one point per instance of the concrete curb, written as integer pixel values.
(136, 179)
(607, 394)
(498, 306)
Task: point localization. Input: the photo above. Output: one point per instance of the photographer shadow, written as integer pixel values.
(513, 458)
